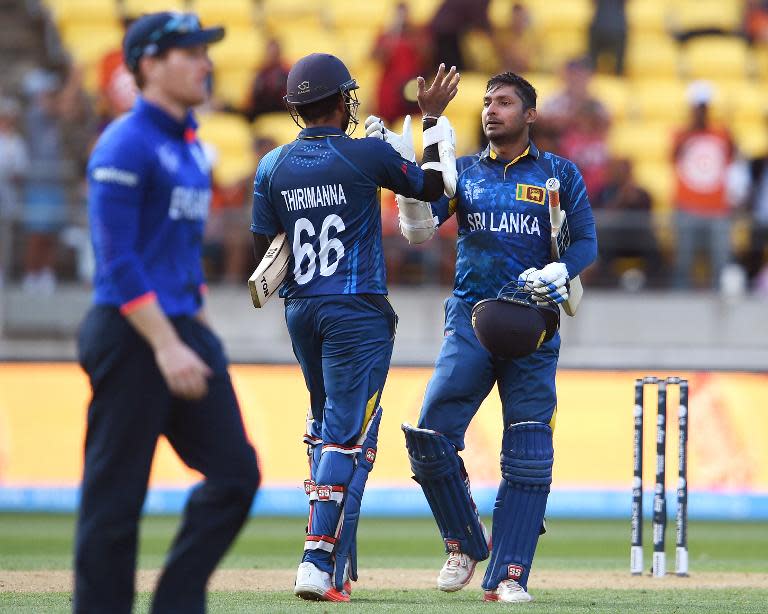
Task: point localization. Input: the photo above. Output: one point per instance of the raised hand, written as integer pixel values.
(434, 100)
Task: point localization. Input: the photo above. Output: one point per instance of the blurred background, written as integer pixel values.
(661, 103)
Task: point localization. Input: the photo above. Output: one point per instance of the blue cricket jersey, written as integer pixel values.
(148, 198)
(322, 190)
(503, 219)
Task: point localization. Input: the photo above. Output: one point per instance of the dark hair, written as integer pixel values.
(524, 89)
(319, 109)
(138, 77)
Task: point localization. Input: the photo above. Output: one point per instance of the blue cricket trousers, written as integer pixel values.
(131, 407)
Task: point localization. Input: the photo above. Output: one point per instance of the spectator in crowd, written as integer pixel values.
(51, 104)
(702, 154)
(586, 144)
(14, 160)
(557, 114)
(402, 54)
(756, 260)
(452, 20)
(268, 86)
(623, 212)
(13, 166)
(518, 42)
(756, 21)
(608, 33)
(227, 240)
(117, 88)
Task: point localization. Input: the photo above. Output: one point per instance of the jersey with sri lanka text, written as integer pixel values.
(149, 192)
(502, 211)
(322, 190)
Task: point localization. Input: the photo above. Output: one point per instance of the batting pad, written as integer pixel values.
(527, 455)
(438, 468)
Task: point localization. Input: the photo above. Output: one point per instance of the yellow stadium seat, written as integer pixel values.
(613, 92)
(652, 57)
(279, 15)
(356, 14)
(641, 140)
(659, 101)
(560, 46)
(355, 46)
(232, 85)
(716, 58)
(545, 84)
(134, 8)
(747, 101)
(230, 137)
(422, 11)
(470, 96)
(88, 43)
(237, 13)
(568, 15)
(277, 126)
(658, 178)
(298, 42)
(647, 17)
(242, 47)
(84, 11)
(751, 138)
(689, 15)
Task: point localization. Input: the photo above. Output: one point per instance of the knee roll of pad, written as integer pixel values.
(437, 467)
(527, 455)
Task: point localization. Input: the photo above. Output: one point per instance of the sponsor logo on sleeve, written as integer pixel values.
(110, 174)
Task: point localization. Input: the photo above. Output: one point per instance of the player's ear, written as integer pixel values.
(530, 115)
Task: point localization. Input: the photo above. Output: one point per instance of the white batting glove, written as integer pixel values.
(401, 143)
(547, 284)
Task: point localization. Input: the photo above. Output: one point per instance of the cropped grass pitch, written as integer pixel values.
(39, 542)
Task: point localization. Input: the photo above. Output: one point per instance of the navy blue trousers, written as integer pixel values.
(130, 409)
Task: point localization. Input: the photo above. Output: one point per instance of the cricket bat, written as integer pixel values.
(270, 272)
(561, 240)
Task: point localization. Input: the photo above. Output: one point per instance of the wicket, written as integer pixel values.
(659, 564)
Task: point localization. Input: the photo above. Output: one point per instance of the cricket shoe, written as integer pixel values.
(508, 591)
(456, 573)
(315, 584)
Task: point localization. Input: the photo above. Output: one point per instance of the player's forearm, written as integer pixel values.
(580, 254)
(433, 180)
(152, 324)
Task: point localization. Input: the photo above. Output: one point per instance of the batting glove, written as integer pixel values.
(547, 284)
(401, 143)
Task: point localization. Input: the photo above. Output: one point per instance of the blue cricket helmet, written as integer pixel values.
(317, 76)
(513, 325)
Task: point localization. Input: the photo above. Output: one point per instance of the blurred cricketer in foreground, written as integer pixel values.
(513, 267)
(155, 365)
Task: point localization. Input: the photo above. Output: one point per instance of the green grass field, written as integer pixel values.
(44, 542)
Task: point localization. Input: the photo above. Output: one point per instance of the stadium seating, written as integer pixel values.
(230, 137)
(717, 58)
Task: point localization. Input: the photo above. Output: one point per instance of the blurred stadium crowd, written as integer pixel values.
(661, 103)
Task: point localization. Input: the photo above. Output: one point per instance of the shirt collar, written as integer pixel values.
(531, 151)
(316, 132)
(164, 120)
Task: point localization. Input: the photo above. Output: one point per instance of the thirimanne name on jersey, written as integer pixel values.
(504, 221)
(314, 196)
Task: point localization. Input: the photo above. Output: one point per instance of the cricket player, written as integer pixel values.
(501, 203)
(155, 366)
(321, 190)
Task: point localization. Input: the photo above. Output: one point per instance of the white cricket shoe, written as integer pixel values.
(508, 591)
(315, 584)
(456, 573)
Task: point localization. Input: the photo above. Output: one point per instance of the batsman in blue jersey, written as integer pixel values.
(155, 366)
(502, 206)
(322, 192)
